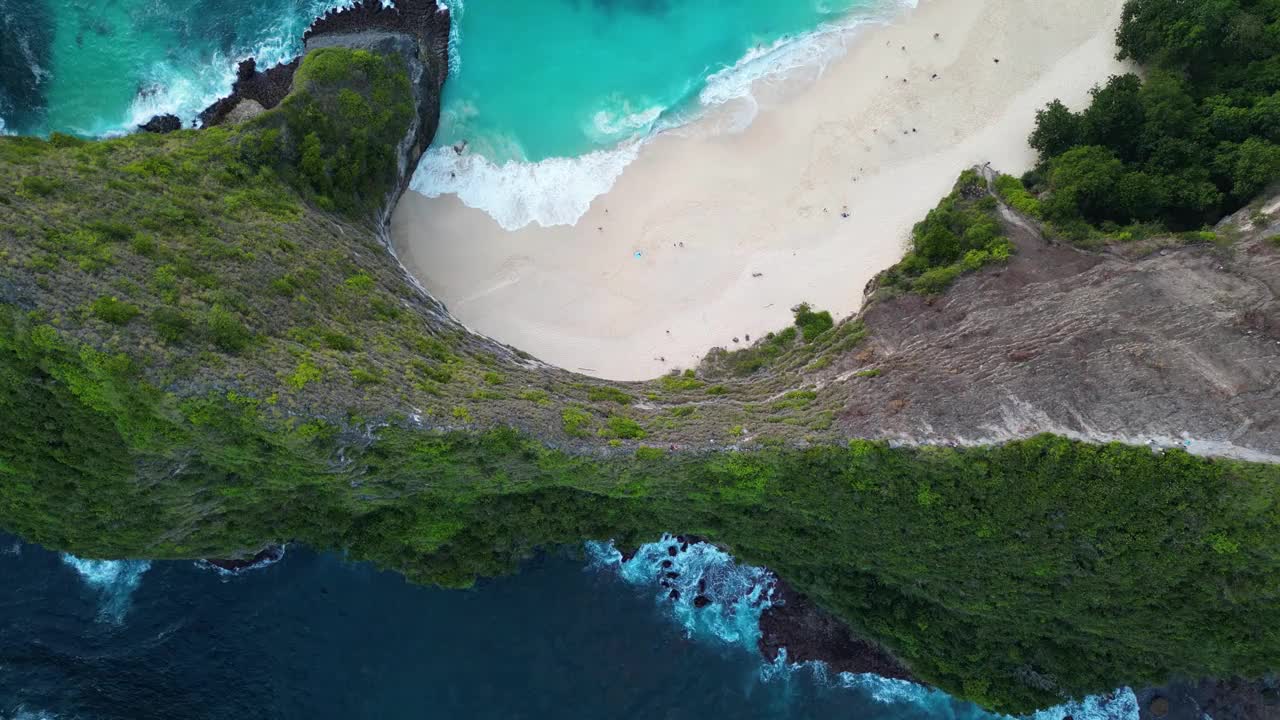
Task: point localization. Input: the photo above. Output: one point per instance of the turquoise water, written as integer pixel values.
(550, 98)
(95, 67)
(563, 78)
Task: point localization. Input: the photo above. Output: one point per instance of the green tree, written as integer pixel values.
(1057, 130)
(1257, 164)
(1081, 182)
(1115, 117)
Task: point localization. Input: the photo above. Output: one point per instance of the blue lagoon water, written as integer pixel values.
(574, 635)
(551, 98)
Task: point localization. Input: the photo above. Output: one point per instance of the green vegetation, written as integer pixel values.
(1196, 140)
(1015, 576)
(336, 135)
(179, 379)
(812, 324)
(680, 382)
(809, 332)
(577, 422)
(607, 393)
(114, 310)
(963, 233)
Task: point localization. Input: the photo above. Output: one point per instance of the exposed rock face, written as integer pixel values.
(1180, 343)
(269, 555)
(266, 89)
(161, 124)
(1219, 699)
(246, 109)
(810, 633)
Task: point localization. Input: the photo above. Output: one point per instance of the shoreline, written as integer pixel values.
(759, 212)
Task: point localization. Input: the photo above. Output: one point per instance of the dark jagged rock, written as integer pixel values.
(672, 551)
(264, 88)
(269, 555)
(674, 596)
(1220, 699)
(701, 601)
(810, 633)
(161, 124)
(666, 563)
(420, 18)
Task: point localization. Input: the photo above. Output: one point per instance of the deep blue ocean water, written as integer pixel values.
(573, 635)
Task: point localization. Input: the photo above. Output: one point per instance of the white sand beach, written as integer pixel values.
(733, 229)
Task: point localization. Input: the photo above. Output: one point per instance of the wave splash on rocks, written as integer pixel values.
(114, 582)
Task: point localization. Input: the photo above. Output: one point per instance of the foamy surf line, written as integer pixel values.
(172, 88)
(715, 599)
(560, 190)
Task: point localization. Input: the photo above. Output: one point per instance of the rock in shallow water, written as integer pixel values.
(161, 124)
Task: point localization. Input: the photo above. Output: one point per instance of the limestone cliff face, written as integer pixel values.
(1176, 345)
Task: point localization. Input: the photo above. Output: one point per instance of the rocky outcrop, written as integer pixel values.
(417, 30)
(161, 124)
(1231, 699)
(809, 633)
(266, 88)
(1164, 344)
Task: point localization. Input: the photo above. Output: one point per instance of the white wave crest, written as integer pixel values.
(174, 87)
(1119, 705)
(456, 9)
(560, 190)
(555, 191)
(624, 121)
(710, 596)
(113, 580)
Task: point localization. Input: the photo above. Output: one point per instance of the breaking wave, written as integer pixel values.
(517, 192)
(113, 580)
(714, 599)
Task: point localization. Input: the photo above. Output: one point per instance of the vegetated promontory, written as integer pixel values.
(207, 347)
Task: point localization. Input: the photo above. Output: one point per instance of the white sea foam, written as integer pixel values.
(22, 713)
(560, 190)
(173, 87)
(1119, 705)
(113, 580)
(735, 595)
(623, 121)
(555, 191)
(456, 9)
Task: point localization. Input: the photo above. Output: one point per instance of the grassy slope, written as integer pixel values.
(204, 348)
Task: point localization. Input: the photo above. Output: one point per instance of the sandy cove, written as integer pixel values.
(733, 229)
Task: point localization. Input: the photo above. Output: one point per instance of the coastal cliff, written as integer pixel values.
(207, 347)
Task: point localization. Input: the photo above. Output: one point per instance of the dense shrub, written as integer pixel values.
(1194, 141)
(811, 324)
(114, 310)
(961, 234)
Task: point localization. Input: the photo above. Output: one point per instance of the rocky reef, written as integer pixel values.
(162, 124)
(253, 91)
